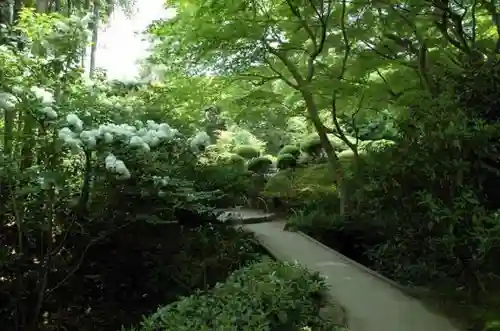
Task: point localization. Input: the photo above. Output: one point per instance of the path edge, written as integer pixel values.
(371, 272)
(411, 292)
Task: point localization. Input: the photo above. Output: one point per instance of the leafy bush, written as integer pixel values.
(82, 172)
(375, 145)
(286, 161)
(312, 145)
(309, 187)
(260, 164)
(290, 149)
(263, 296)
(247, 151)
(422, 208)
(236, 160)
(209, 254)
(228, 140)
(227, 176)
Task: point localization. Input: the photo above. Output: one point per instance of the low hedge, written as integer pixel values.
(267, 295)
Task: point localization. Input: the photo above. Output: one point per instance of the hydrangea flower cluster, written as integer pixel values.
(7, 101)
(200, 141)
(46, 99)
(117, 166)
(143, 136)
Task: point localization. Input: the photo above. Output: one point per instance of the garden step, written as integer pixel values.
(245, 216)
(371, 303)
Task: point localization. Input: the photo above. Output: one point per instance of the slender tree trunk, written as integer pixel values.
(9, 118)
(333, 160)
(18, 5)
(42, 6)
(95, 35)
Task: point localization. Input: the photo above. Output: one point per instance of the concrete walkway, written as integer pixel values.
(372, 304)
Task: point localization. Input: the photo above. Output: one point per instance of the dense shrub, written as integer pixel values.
(230, 179)
(308, 188)
(312, 145)
(264, 296)
(209, 255)
(247, 151)
(285, 161)
(236, 160)
(419, 208)
(260, 164)
(290, 149)
(447, 196)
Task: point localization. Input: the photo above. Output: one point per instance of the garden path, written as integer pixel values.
(371, 302)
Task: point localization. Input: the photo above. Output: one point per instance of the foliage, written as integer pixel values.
(290, 149)
(431, 186)
(261, 164)
(209, 255)
(231, 139)
(263, 296)
(394, 107)
(82, 172)
(247, 151)
(312, 146)
(285, 161)
(303, 187)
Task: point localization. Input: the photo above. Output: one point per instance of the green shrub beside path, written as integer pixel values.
(266, 295)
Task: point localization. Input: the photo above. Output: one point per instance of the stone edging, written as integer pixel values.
(400, 287)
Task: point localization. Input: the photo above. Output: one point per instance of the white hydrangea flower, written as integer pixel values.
(49, 112)
(199, 141)
(108, 137)
(18, 89)
(7, 101)
(46, 97)
(75, 121)
(65, 133)
(117, 166)
(89, 138)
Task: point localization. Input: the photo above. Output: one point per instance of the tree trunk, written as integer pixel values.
(95, 34)
(42, 6)
(333, 160)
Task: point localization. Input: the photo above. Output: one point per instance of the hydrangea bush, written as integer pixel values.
(76, 161)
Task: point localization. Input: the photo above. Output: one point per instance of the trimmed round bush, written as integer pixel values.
(290, 149)
(247, 151)
(260, 164)
(286, 161)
